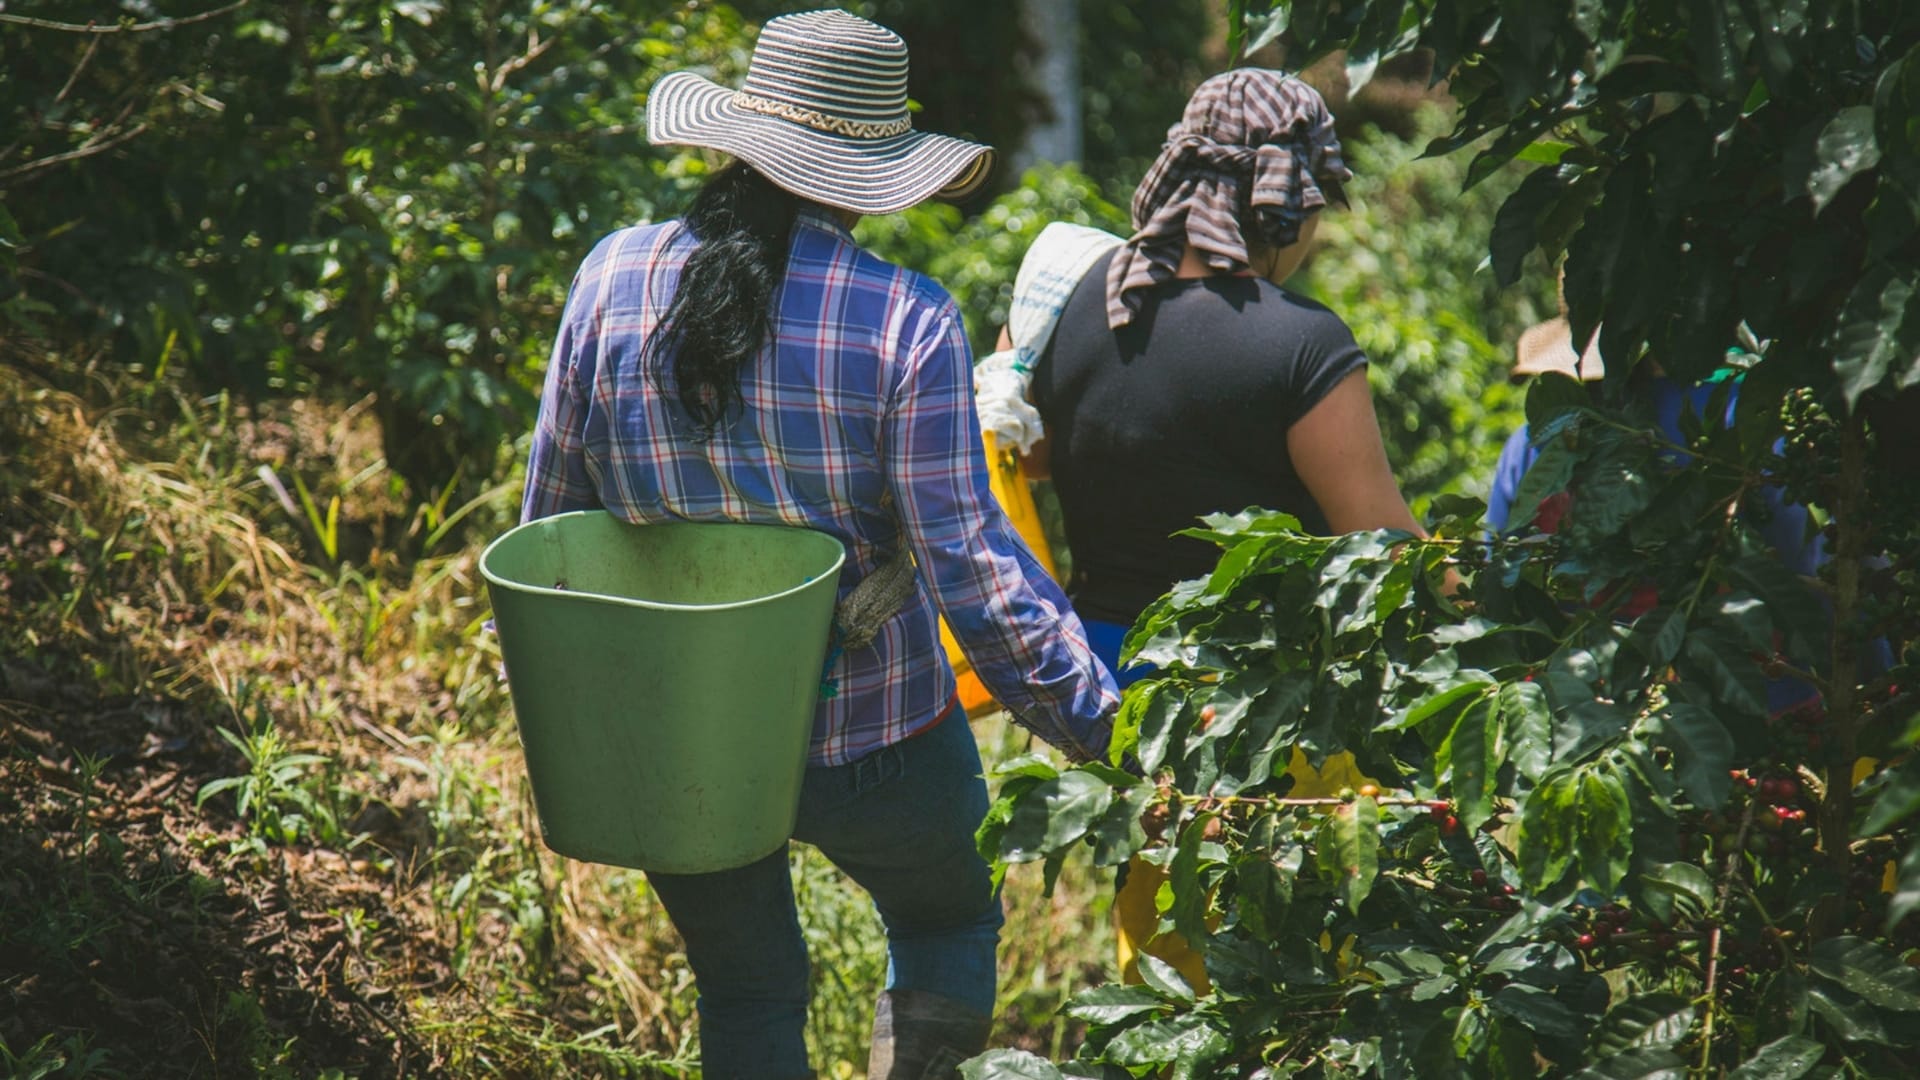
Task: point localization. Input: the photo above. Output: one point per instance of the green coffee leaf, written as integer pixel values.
(1724, 666)
(1703, 752)
(1680, 887)
(1848, 1014)
(1347, 849)
(1159, 1042)
(1906, 891)
(1009, 1065)
(1164, 979)
(1898, 800)
(1870, 970)
(1054, 814)
(1537, 1009)
(1788, 1058)
(1657, 1020)
(1876, 333)
(1515, 230)
(1646, 1063)
(1548, 823)
(1118, 833)
(1263, 874)
(1112, 1004)
(1529, 724)
(1846, 148)
(1469, 758)
(1604, 829)
(1188, 898)
(1033, 765)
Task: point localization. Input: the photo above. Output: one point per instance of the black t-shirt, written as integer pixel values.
(1182, 412)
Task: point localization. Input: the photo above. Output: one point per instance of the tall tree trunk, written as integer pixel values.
(1054, 25)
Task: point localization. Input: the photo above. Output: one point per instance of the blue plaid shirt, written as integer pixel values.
(864, 391)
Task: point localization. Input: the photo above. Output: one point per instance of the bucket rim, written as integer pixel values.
(486, 570)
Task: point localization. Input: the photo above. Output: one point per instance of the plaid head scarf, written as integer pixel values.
(1255, 153)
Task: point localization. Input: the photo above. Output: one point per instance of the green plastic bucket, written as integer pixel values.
(665, 679)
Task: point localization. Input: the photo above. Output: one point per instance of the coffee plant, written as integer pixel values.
(1642, 787)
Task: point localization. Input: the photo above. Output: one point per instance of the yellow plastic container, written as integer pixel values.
(1135, 916)
(665, 679)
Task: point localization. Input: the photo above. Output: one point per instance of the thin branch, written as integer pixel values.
(126, 28)
(534, 135)
(85, 59)
(88, 150)
(1713, 936)
(535, 47)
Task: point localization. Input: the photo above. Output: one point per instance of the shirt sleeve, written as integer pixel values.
(557, 476)
(1012, 620)
(1515, 458)
(1325, 358)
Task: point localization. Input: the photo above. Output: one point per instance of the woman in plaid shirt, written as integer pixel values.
(751, 363)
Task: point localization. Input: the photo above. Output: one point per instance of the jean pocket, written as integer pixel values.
(876, 769)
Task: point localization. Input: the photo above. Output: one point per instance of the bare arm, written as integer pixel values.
(1337, 451)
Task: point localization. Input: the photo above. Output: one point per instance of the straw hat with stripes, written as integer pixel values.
(823, 114)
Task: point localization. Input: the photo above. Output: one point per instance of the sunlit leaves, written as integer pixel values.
(1787, 1058)
(1577, 819)
(1657, 1020)
(1010, 1065)
(1348, 849)
(1471, 755)
(1845, 148)
(1878, 335)
(1870, 970)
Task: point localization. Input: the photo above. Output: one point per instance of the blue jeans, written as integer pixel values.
(899, 822)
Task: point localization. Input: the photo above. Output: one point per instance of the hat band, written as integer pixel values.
(819, 121)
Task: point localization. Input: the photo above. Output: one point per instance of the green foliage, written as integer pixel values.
(846, 950)
(1545, 838)
(1138, 64)
(976, 258)
(371, 196)
(277, 796)
(53, 1056)
(1664, 877)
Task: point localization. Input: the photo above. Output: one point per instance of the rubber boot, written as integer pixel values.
(924, 1036)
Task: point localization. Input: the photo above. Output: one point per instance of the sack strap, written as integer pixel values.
(858, 616)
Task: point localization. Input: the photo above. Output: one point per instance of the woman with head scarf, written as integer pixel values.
(750, 363)
(1173, 374)
(1169, 376)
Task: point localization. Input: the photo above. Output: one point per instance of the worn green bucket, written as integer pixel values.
(665, 679)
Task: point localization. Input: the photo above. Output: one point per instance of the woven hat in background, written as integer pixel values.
(1548, 346)
(823, 114)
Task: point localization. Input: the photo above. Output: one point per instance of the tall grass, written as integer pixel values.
(370, 745)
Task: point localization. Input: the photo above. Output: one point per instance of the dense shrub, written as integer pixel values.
(1594, 845)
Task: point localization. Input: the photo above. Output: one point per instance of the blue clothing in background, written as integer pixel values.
(1105, 639)
(1800, 549)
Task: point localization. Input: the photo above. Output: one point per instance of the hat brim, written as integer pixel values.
(868, 176)
(1548, 346)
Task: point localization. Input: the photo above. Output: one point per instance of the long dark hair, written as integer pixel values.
(719, 313)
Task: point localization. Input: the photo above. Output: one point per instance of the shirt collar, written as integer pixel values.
(821, 218)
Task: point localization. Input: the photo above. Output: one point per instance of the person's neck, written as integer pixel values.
(1194, 265)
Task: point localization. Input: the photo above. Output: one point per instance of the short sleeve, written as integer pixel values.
(1326, 355)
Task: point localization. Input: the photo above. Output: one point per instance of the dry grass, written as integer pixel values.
(386, 905)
